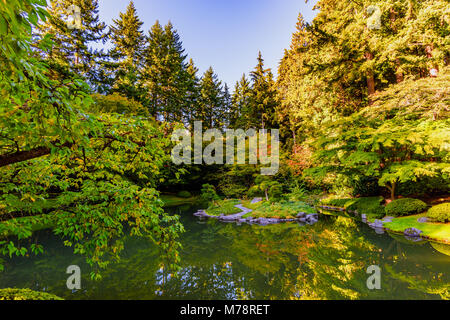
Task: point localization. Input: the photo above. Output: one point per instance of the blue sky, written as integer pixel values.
(226, 35)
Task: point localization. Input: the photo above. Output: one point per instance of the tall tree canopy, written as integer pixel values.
(91, 176)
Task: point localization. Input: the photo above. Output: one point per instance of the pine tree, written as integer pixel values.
(72, 52)
(165, 75)
(192, 99)
(211, 101)
(262, 108)
(226, 111)
(240, 102)
(128, 46)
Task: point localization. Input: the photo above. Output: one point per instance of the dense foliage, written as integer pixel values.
(405, 207)
(440, 212)
(85, 133)
(92, 176)
(362, 98)
(25, 294)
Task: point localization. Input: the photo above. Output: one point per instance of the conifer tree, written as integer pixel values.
(192, 99)
(226, 111)
(240, 103)
(211, 101)
(128, 42)
(165, 75)
(262, 109)
(72, 51)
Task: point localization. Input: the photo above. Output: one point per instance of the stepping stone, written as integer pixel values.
(301, 215)
(422, 220)
(413, 232)
(256, 200)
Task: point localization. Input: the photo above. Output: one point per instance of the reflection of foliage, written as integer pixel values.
(442, 248)
(225, 261)
(337, 262)
(433, 286)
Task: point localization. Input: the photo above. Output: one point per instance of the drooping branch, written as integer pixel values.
(22, 156)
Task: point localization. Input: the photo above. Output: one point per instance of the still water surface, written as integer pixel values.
(225, 261)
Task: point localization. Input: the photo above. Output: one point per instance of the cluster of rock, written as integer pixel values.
(411, 234)
(302, 217)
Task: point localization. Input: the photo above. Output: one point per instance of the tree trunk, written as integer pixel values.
(267, 195)
(370, 76)
(398, 74)
(392, 189)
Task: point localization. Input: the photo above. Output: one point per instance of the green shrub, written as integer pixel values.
(276, 192)
(440, 213)
(405, 207)
(254, 192)
(184, 194)
(209, 193)
(298, 193)
(25, 294)
(233, 190)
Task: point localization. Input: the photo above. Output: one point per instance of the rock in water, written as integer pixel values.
(301, 215)
(413, 232)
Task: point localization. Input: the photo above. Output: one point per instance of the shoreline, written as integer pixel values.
(380, 224)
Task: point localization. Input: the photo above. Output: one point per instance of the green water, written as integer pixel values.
(225, 261)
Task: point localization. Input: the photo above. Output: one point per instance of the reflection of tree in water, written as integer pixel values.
(225, 261)
(410, 266)
(336, 262)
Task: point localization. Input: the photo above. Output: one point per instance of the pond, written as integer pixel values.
(226, 261)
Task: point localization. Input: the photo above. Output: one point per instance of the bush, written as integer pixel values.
(25, 294)
(298, 193)
(405, 207)
(440, 213)
(276, 192)
(254, 192)
(184, 194)
(209, 193)
(233, 191)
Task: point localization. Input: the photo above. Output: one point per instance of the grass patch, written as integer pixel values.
(281, 210)
(225, 207)
(436, 231)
